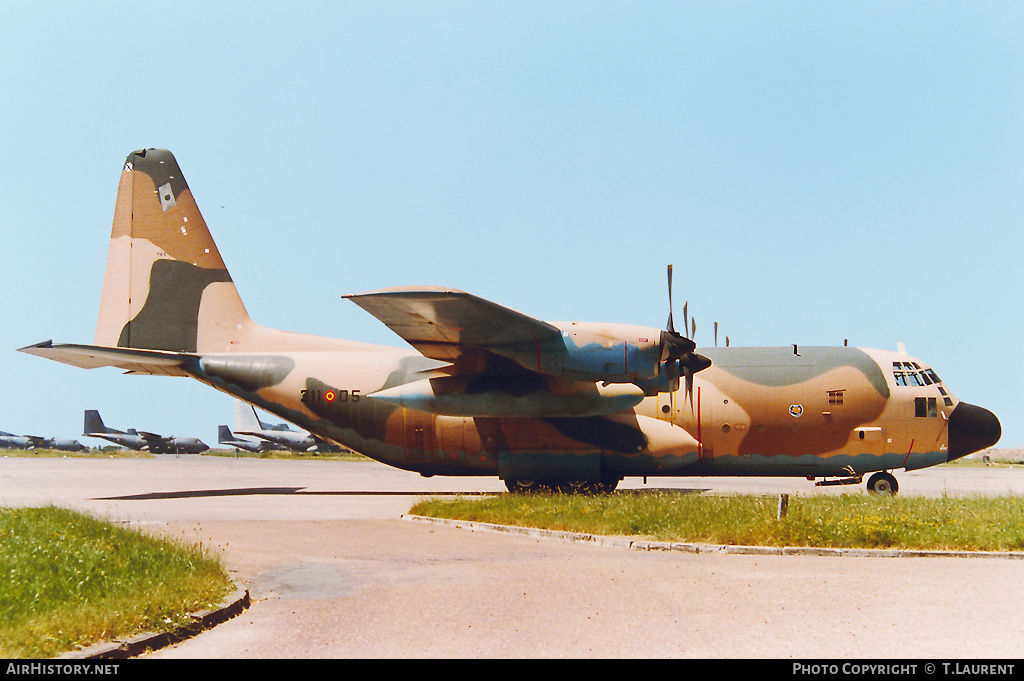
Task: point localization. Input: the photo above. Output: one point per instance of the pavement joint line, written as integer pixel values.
(130, 647)
(701, 548)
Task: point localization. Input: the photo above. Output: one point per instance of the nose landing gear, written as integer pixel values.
(883, 482)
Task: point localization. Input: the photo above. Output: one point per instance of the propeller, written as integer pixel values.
(675, 347)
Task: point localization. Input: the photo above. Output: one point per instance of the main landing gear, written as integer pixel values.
(561, 487)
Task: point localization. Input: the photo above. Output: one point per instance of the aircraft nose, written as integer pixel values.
(971, 429)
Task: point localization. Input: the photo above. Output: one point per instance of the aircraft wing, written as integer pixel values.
(156, 362)
(442, 323)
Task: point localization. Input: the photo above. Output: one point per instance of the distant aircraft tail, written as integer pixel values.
(166, 286)
(224, 435)
(94, 424)
(246, 420)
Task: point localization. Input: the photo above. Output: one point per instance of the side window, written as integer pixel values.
(926, 407)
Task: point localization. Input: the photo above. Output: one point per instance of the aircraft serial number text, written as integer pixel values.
(329, 396)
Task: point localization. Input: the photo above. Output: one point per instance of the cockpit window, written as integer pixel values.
(910, 373)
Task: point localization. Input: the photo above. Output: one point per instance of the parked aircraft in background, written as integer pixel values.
(227, 438)
(61, 444)
(11, 441)
(491, 391)
(247, 422)
(141, 440)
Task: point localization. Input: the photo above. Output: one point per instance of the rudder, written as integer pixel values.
(94, 424)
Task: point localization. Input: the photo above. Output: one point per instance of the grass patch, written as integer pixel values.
(834, 521)
(69, 581)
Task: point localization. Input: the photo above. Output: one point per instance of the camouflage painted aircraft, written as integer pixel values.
(491, 391)
(140, 440)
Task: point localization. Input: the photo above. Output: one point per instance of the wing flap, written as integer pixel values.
(442, 323)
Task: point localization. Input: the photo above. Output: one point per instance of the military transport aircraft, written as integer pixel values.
(491, 391)
(141, 440)
(61, 444)
(10, 441)
(226, 437)
(279, 436)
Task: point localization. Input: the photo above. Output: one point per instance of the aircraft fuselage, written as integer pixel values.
(805, 411)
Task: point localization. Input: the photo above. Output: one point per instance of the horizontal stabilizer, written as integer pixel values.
(155, 362)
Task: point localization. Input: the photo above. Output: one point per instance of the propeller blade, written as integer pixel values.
(671, 326)
(716, 334)
(688, 374)
(685, 317)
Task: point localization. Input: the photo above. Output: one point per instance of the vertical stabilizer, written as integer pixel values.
(166, 287)
(94, 423)
(245, 418)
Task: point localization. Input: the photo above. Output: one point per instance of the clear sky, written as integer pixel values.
(816, 171)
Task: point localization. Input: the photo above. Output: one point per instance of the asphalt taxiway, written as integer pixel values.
(334, 571)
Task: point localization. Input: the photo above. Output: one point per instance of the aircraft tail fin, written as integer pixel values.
(224, 435)
(166, 286)
(246, 419)
(94, 423)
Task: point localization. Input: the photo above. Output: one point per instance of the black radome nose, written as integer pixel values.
(971, 429)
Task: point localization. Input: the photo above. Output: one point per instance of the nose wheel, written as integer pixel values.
(883, 483)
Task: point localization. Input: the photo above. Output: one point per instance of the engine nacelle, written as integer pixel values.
(612, 353)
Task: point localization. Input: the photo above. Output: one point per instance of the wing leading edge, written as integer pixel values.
(442, 323)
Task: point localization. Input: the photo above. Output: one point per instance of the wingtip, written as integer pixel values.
(43, 345)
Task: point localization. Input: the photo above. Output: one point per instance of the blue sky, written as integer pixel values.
(815, 171)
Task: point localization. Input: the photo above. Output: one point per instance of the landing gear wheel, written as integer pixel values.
(522, 486)
(883, 483)
(550, 487)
